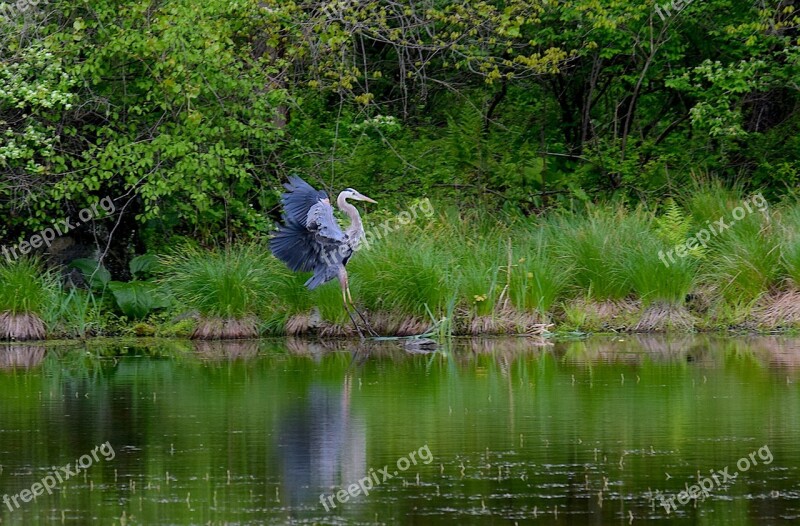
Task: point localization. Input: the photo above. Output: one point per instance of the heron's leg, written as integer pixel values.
(345, 291)
(352, 304)
(358, 329)
(370, 330)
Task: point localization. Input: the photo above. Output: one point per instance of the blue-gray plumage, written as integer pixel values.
(311, 240)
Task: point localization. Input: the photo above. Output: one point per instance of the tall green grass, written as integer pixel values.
(706, 202)
(538, 279)
(745, 267)
(406, 272)
(480, 259)
(595, 245)
(468, 264)
(26, 287)
(651, 279)
(78, 313)
(744, 261)
(233, 282)
(790, 243)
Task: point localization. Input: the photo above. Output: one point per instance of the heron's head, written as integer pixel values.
(349, 193)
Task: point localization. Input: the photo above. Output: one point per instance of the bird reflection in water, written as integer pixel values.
(322, 443)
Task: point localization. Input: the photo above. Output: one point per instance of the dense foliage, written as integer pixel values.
(189, 114)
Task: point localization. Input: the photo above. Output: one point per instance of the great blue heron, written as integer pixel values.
(310, 239)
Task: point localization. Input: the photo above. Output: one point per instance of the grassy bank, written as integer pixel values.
(600, 268)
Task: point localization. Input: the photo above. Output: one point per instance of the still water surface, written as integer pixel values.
(502, 431)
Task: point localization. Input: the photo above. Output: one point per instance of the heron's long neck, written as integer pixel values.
(356, 229)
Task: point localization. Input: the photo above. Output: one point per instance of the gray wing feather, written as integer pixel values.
(299, 199)
(320, 220)
(310, 238)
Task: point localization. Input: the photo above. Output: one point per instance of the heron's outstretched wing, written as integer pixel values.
(299, 199)
(310, 238)
(296, 246)
(332, 242)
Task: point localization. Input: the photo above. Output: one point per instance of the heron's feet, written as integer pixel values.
(360, 333)
(358, 329)
(369, 328)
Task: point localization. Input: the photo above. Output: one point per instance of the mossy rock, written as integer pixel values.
(144, 330)
(180, 329)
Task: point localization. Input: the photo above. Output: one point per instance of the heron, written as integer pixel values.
(311, 240)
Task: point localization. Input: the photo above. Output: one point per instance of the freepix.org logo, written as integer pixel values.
(717, 479)
(376, 478)
(59, 475)
(715, 228)
(58, 229)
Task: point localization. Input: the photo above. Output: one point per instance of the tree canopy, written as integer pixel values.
(190, 114)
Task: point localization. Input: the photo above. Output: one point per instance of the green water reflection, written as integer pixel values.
(519, 431)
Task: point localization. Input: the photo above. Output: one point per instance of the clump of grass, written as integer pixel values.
(595, 245)
(781, 308)
(790, 243)
(78, 314)
(479, 266)
(708, 201)
(292, 299)
(653, 280)
(614, 260)
(538, 280)
(27, 293)
(661, 284)
(407, 272)
(228, 287)
(745, 262)
(26, 287)
(216, 328)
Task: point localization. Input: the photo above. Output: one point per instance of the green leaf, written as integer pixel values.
(97, 276)
(143, 265)
(137, 298)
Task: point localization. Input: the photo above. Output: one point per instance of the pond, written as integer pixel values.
(619, 430)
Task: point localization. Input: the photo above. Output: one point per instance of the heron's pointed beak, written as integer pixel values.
(362, 197)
